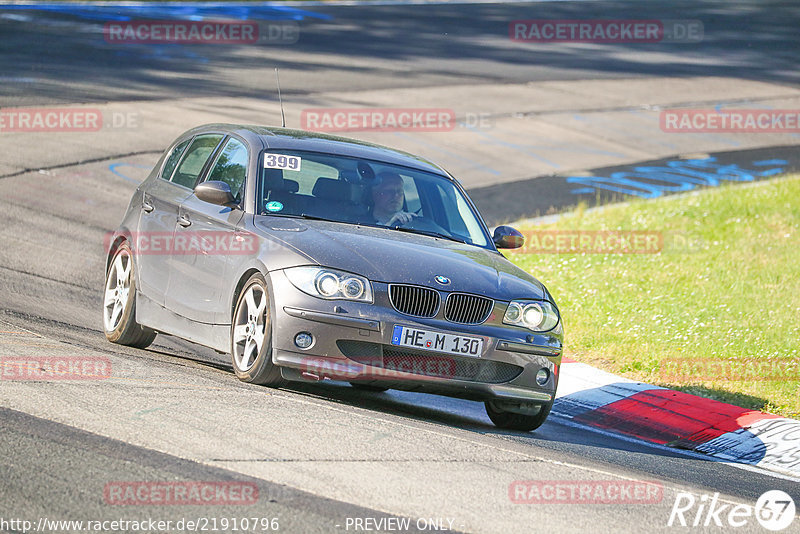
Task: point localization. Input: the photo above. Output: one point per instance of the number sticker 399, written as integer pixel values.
(281, 161)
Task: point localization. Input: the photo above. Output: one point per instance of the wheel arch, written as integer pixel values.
(122, 235)
(113, 246)
(243, 278)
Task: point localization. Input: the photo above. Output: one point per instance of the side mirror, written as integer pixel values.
(215, 192)
(507, 237)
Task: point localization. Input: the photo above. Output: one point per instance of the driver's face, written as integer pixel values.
(389, 196)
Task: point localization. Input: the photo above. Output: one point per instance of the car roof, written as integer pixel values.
(290, 139)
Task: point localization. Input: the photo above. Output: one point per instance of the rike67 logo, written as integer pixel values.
(774, 510)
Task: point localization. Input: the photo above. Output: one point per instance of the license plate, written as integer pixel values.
(404, 336)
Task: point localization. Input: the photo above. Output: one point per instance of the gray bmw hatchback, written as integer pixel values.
(310, 257)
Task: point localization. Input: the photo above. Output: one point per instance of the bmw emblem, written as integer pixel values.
(442, 280)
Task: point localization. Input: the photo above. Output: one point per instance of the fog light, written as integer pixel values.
(304, 340)
(542, 376)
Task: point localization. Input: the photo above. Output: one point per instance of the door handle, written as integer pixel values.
(184, 221)
(147, 207)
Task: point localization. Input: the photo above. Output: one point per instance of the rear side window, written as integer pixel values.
(172, 159)
(231, 167)
(195, 159)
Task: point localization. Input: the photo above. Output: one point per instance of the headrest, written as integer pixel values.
(274, 181)
(331, 189)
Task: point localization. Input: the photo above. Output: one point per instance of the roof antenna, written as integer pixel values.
(277, 79)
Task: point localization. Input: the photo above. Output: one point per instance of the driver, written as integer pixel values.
(388, 198)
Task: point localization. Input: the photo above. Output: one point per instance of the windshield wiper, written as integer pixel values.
(429, 233)
(299, 216)
(315, 218)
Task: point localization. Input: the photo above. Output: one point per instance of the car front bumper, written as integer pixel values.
(353, 342)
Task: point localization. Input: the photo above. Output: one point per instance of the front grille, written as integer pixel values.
(414, 300)
(467, 309)
(428, 364)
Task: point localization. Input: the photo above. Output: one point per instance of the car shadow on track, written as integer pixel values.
(420, 407)
(556, 434)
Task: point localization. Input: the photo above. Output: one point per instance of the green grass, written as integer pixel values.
(716, 313)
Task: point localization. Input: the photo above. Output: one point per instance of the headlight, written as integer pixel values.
(330, 284)
(539, 315)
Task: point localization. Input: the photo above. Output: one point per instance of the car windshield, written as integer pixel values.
(366, 192)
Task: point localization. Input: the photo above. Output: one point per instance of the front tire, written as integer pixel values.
(251, 336)
(516, 421)
(119, 303)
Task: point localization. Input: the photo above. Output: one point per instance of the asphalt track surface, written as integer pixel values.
(370, 47)
(318, 454)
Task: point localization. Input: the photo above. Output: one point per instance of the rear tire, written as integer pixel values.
(251, 336)
(516, 421)
(119, 303)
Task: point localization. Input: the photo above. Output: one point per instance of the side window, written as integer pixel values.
(468, 220)
(231, 167)
(195, 158)
(449, 217)
(172, 160)
(458, 216)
